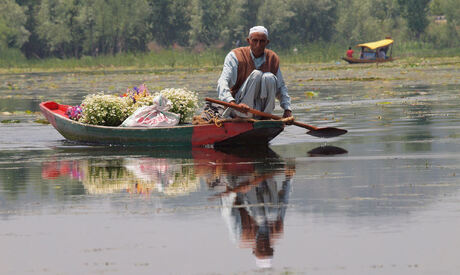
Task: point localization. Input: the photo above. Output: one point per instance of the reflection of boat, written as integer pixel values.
(172, 172)
(370, 51)
(251, 186)
(242, 132)
(162, 175)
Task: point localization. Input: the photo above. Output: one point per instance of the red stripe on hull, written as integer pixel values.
(210, 134)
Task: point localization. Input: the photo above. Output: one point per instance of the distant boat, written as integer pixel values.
(373, 52)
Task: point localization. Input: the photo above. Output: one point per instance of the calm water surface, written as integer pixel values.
(382, 199)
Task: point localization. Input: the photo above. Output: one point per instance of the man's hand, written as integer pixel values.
(287, 113)
(242, 107)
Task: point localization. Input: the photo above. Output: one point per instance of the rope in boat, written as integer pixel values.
(208, 117)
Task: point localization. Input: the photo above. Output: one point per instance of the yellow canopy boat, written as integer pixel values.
(373, 52)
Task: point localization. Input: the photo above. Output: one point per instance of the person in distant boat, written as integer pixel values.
(350, 52)
(381, 53)
(251, 77)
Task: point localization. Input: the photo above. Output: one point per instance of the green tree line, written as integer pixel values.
(76, 28)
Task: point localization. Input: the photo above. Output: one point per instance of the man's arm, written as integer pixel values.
(227, 78)
(282, 95)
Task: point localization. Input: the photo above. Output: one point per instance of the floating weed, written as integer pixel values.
(18, 113)
(390, 93)
(11, 86)
(41, 121)
(311, 94)
(52, 86)
(8, 121)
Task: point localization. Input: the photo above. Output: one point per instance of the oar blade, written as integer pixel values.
(327, 132)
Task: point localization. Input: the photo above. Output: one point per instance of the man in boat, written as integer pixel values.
(251, 77)
(350, 52)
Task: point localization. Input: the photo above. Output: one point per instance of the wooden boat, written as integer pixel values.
(238, 132)
(359, 60)
(369, 52)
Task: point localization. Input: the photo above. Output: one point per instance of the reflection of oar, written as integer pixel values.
(244, 187)
(325, 132)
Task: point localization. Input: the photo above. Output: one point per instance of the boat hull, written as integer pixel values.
(358, 60)
(229, 133)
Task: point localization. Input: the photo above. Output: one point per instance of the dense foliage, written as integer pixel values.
(77, 28)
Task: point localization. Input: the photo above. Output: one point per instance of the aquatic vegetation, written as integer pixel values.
(311, 94)
(12, 86)
(6, 121)
(41, 121)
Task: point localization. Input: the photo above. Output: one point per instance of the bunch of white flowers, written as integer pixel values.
(102, 109)
(184, 102)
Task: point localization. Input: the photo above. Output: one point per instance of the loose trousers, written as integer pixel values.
(258, 92)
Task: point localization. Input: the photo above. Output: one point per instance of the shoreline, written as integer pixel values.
(314, 66)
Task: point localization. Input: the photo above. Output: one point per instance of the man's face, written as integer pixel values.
(257, 42)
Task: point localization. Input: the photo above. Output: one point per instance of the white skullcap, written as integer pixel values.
(260, 29)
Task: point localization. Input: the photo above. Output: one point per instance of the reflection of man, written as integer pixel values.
(255, 214)
(251, 76)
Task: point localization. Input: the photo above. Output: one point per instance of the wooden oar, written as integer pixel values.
(326, 132)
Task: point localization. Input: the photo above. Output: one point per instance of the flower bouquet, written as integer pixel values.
(74, 112)
(184, 102)
(102, 109)
(112, 110)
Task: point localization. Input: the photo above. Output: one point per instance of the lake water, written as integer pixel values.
(382, 199)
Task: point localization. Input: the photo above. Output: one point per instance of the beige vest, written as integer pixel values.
(246, 65)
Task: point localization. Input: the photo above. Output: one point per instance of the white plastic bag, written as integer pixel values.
(156, 115)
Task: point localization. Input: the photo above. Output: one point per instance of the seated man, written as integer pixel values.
(350, 52)
(381, 53)
(251, 77)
